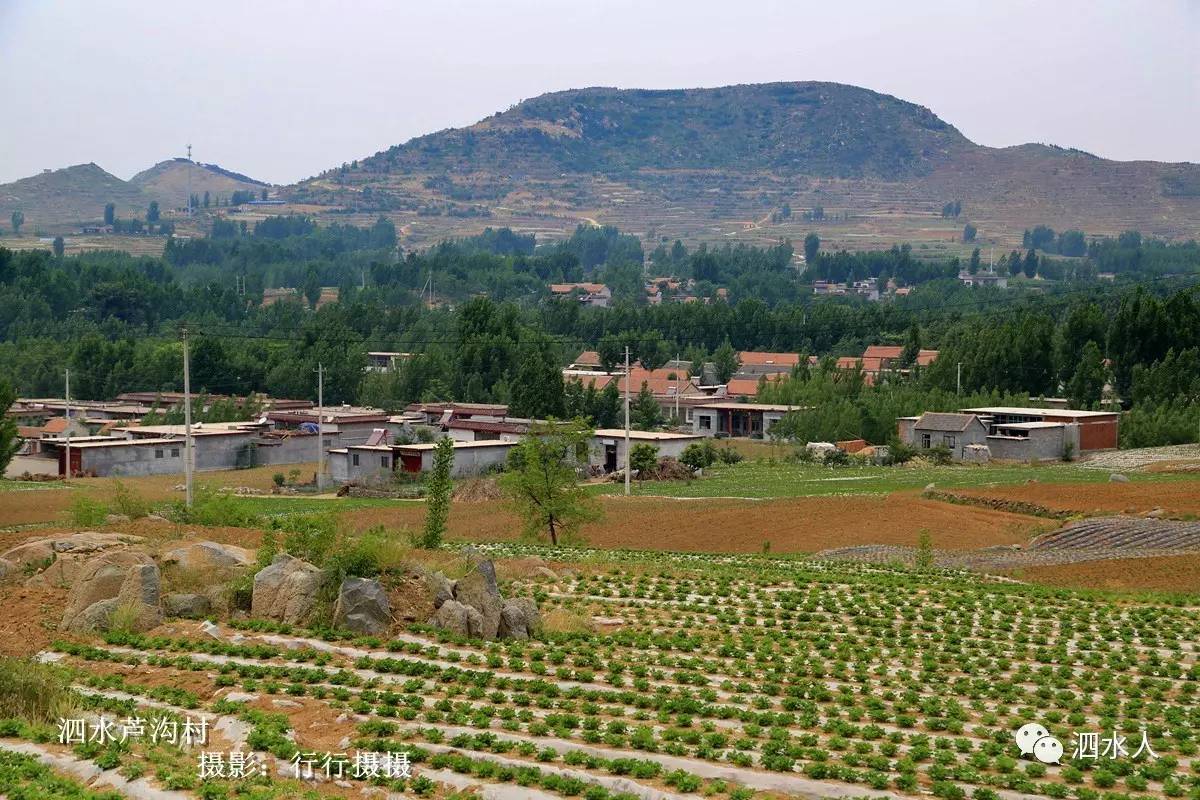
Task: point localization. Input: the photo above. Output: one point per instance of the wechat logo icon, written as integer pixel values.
(1034, 740)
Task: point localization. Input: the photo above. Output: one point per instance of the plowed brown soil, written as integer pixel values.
(796, 525)
(1176, 497)
(1159, 574)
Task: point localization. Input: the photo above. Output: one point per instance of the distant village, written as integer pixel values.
(126, 436)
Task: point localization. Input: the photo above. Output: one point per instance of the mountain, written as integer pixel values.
(70, 194)
(731, 162)
(167, 181)
(61, 199)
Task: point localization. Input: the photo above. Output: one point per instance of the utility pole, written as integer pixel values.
(676, 388)
(320, 430)
(189, 186)
(627, 379)
(187, 421)
(958, 389)
(67, 411)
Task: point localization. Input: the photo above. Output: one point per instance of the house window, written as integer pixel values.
(354, 459)
(158, 453)
(174, 452)
(925, 442)
(948, 440)
(383, 461)
(706, 421)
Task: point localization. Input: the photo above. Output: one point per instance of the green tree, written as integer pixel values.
(18, 219)
(312, 287)
(1030, 265)
(152, 212)
(1087, 384)
(924, 558)
(206, 200)
(812, 245)
(541, 483)
(9, 441)
(726, 361)
(643, 458)
(912, 347)
(969, 232)
(973, 266)
(59, 246)
(437, 499)
(644, 412)
(537, 391)
(110, 213)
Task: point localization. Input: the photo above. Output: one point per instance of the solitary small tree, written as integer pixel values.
(152, 212)
(924, 551)
(9, 440)
(643, 458)
(59, 246)
(726, 362)
(18, 219)
(110, 213)
(812, 245)
(437, 500)
(541, 483)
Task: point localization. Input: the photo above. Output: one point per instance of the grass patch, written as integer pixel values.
(767, 479)
(36, 693)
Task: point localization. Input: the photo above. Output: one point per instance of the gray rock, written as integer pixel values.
(451, 615)
(96, 617)
(362, 606)
(286, 590)
(103, 577)
(441, 587)
(545, 572)
(479, 591)
(1117, 477)
(519, 619)
(210, 556)
(116, 519)
(192, 606)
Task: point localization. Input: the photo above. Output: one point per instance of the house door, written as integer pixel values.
(76, 462)
(610, 458)
(411, 462)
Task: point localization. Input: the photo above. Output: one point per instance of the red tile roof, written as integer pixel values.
(754, 358)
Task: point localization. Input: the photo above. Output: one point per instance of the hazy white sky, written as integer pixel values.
(283, 90)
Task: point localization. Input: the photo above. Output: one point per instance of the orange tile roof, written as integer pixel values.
(754, 358)
(567, 288)
(589, 358)
(744, 387)
(55, 425)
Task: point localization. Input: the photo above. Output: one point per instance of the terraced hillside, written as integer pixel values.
(679, 676)
(717, 164)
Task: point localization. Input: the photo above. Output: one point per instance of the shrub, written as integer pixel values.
(643, 458)
(86, 512)
(278, 478)
(129, 502)
(699, 455)
(729, 455)
(34, 692)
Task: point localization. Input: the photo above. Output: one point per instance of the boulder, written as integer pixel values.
(545, 572)
(191, 606)
(100, 578)
(457, 618)
(116, 519)
(479, 591)
(519, 619)
(70, 556)
(362, 606)
(30, 554)
(441, 587)
(286, 590)
(206, 556)
(110, 583)
(1117, 477)
(140, 591)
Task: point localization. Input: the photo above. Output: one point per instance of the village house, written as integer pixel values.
(607, 449)
(750, 420)
(378, 461)
(1011, 434)
(596, 295)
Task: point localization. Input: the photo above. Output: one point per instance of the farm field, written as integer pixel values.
(681, 676)
(762, 479)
